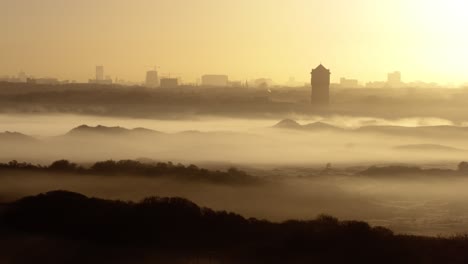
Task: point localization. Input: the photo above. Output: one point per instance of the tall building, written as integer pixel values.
(169, 82)
(99, 73)
(152, 79)
(100, 77)
(349, 83)
(22, 77)
(320, 86)
(394, 79)
(215, 80)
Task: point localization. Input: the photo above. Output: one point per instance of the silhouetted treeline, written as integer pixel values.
(401, 170)
(194, 173)
(138, 101)
(185, 101)
(136, 168)
(177, 226)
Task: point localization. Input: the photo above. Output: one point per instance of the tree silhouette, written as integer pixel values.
(177, 225)
(136, 168)
(63, 165)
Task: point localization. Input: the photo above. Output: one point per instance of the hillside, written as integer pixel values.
(180, 231)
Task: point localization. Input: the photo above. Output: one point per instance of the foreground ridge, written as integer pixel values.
(179, 230)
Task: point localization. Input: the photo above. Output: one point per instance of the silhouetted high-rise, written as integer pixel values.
(215, 80)
(99, 73)
(394, 80)
(169, 83)
(152, 79)
(320, 86)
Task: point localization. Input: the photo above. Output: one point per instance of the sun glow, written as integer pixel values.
(364, 39)
(439, 29)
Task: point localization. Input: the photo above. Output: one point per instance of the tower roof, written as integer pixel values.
(321, 68)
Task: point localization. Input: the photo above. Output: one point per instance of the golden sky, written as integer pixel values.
(424, 39)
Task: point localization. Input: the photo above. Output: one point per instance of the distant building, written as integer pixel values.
(99, 73)
(10, 79)
(263, 82)
(349, 83)
(235, 84)
(105, 81)
(100, 77)
(419, 84)
(215, 80)
(376, 84)
(169, 82)
(22, 76)
(50, 81)
(320, 86)
(152, 79)
(394, 79)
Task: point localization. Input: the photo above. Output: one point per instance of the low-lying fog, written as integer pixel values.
(427, 205)
(235, 141)
(58, 124)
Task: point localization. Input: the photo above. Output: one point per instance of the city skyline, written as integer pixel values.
(270, 39)
(394, 79)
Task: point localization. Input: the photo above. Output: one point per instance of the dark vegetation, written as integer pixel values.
(136, 101)
(65, 227)
(187, 101)
(401, 170)
(136, 168)
(194, 173)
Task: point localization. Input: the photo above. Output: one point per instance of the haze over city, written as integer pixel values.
(361, 39)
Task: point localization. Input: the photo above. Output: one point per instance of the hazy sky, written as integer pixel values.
(365, 39)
